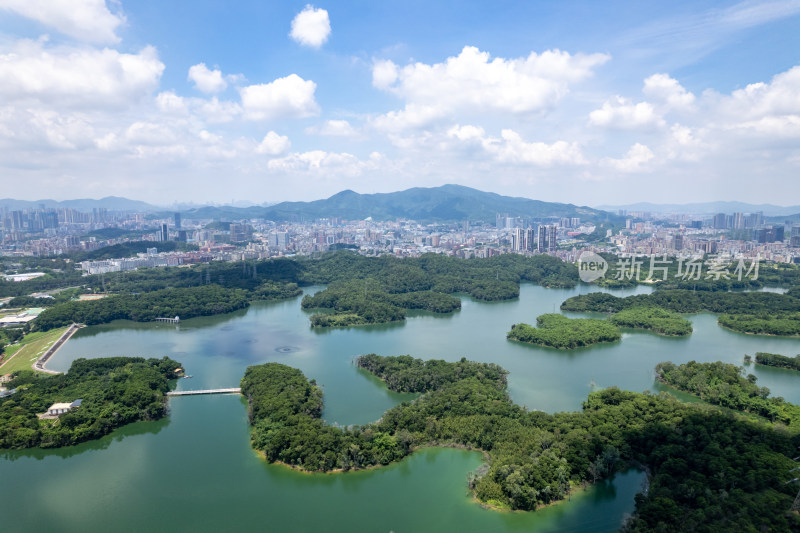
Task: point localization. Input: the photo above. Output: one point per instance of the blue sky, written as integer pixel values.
(584, 102)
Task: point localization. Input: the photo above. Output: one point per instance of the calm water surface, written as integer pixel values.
(195, 469)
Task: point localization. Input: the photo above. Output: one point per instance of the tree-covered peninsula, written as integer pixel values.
(726, 385)
(114, 391)
(709, 470)
(746, 312)
(369, 290)
(558, 331)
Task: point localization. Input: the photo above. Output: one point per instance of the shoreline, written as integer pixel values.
(39, 364)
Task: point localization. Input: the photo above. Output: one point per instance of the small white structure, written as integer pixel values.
(61, 408)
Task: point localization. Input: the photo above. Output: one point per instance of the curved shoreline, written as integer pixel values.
(39, 364)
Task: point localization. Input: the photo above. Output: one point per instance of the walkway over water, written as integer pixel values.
(232, 390)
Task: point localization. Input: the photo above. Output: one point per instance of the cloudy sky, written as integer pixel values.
(578, 101)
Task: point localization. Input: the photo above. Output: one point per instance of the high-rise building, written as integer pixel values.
(177, 219)
(530, 239)
(677, 243)
(241, 232)
(164, 233)
(794, 237)
(720, 221)
(552, 231)
(517, 243)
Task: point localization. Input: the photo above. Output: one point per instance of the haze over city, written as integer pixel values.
(582, 102)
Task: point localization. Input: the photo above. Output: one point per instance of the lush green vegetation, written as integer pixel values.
(726, 385)
(658, 320)
(747, 312)
(764, 323)
(558, 331)
(709, 470)
(32, 346)
(781, 361)
(114, 391)
(366, 302)
(493, 278)
(184, 302)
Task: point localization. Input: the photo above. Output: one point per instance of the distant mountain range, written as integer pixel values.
(707, 208)
(112, 203)
(434, 204)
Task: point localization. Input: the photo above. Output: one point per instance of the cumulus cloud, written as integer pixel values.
(667, 89)
(291, 96)
(511, 148)
(634, 160)
(474, 81)
(84, 20)
(206, 80)
(170, 103)
(82, 77)
(333, 128)
(274, 144)
(323, 163)
(622, 113)
(311, 27)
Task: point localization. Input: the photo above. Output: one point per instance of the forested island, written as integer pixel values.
(776, 360)
(709, 470)
(749, 312)
(114, 391)
(558, 331)
(657, 320)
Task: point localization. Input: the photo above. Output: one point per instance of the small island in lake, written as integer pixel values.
(655, 319)
(558, 331)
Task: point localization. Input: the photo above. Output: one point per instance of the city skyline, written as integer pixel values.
(579, 103)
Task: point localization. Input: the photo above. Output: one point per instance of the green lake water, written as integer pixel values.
(195, 469)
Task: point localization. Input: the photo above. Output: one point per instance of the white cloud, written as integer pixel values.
(208, 81)
(333, 128)
(667, 89)
(81, 77)
(779, 97)
(634, 160)
(466, 133)
(511, 148)
(274, 144)
(316, 161)
(311, 27)
(624, 114)
(84, 20)
(475, 82)
(291, 96)
(170, 103)
(216, 111)
(384, 74)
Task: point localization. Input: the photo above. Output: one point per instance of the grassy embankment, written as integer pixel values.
(22, 356)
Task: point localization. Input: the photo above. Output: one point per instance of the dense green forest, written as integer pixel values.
(657, 320)
(130, 249)
(368, 290)
(368, 302)
(726, 385)
(780, 361)
(114, 391)
(710, 470)
(558, 331)
(746, 312)
(184, 302)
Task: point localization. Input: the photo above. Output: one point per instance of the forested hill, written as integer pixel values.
(445, 203)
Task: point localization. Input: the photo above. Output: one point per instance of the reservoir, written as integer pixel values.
(195, 468)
